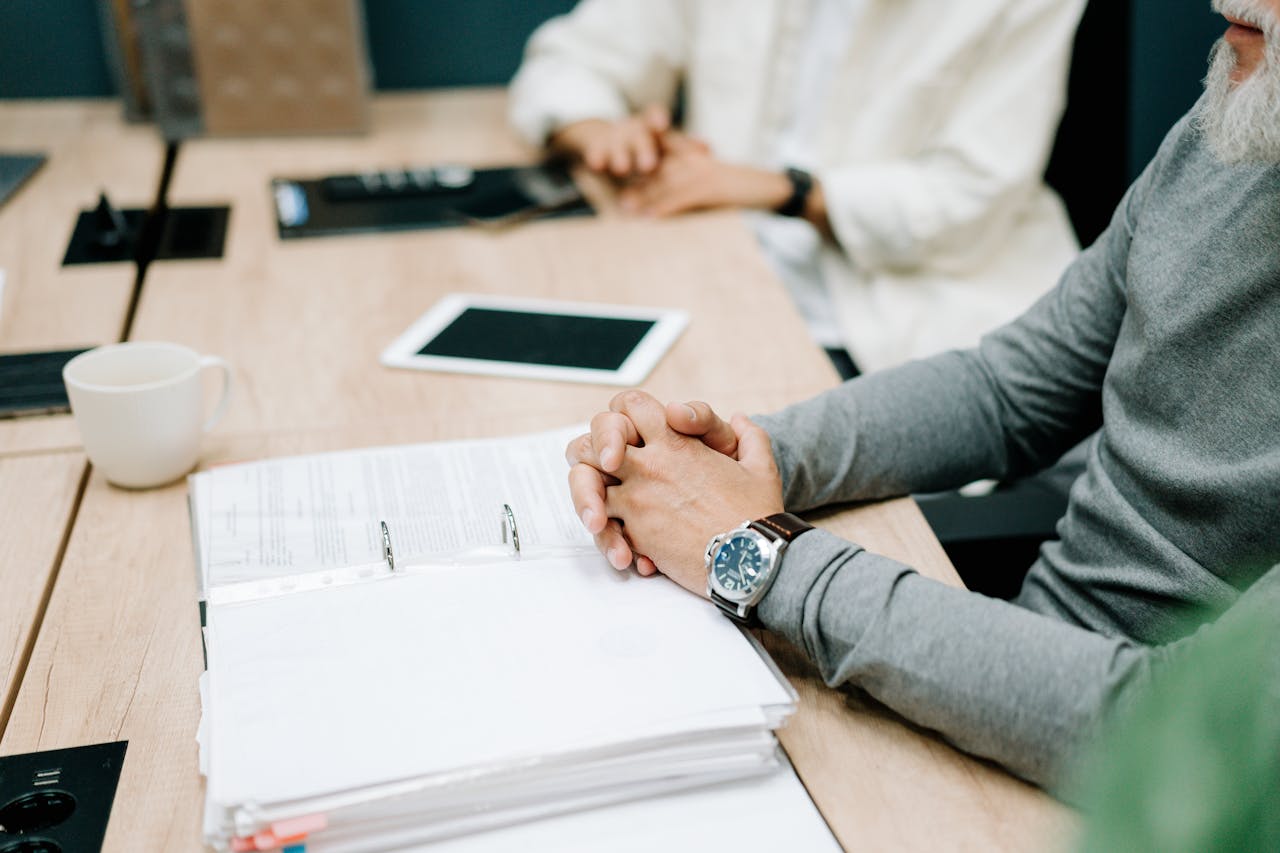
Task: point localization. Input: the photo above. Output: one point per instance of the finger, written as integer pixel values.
(657, 118)
(647, 415)
(620, 153)
(645, 566)
(697, 419)
(580, 449)
(645, 153)
(613, 544)
(755, 450)
(587, 489)
(596, 152)
(611, 432)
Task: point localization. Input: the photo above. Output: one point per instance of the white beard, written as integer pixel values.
(1242, 120)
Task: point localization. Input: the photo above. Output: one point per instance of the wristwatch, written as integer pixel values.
(742, 563)
(801, 186)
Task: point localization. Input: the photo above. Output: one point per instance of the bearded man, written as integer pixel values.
(1164, 337)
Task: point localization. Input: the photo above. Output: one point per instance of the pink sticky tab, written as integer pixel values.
(297, 826)
(265, 840)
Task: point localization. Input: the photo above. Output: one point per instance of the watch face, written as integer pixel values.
(740, 564)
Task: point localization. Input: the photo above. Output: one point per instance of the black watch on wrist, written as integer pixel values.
(742, 563)
(801, 186)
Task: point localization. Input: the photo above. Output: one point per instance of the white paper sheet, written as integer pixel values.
(764, 814)
(303, 513)
(425, 673)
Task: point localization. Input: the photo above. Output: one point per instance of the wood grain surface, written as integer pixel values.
(303, 323)
(46, 306)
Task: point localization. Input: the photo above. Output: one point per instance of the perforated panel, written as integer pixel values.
(279, 66)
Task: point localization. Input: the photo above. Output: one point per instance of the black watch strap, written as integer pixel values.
(801, 186)
(783, 525)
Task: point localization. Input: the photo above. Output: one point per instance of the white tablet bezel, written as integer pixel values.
(667, 325)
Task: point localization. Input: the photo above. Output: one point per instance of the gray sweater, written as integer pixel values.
(1165, 338)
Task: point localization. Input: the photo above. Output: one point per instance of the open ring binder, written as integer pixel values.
(510, 536)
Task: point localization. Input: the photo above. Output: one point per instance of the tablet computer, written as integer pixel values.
(538, 339)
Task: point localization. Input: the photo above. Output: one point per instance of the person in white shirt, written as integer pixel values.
(906, 138)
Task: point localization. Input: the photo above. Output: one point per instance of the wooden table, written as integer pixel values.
(303, 323)
(48, 306)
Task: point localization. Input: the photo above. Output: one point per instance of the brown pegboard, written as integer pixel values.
(279, 66)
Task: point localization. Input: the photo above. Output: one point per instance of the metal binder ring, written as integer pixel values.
(387, 553)
(510, 533)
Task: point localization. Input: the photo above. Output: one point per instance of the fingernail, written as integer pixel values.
(589, 518)
(693, 416)
(615, 559)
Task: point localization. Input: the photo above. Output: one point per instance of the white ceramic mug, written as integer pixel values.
(140, 409)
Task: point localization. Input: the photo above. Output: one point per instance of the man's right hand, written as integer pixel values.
(623, 149)
(594, 456)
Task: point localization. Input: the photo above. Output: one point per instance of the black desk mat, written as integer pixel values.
(493, 197)
(31, 383)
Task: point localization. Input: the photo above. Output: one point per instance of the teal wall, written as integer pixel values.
(52, 48)
(1171, 40)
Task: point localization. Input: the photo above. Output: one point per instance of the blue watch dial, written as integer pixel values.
(739, 563)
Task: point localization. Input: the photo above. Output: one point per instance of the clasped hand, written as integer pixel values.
(665, 172)
(654, 483)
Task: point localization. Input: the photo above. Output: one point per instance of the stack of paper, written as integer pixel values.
(361, 708)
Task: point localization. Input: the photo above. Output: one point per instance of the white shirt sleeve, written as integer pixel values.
(606, 59)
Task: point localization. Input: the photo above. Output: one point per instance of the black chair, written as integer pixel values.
(1089, 163)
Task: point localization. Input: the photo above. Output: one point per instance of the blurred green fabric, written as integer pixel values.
(1194, 763)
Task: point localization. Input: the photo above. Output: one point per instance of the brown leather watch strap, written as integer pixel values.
(784, 524)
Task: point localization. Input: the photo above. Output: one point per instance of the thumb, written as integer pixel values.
(657, 118)
(698, 420)
(755, 450)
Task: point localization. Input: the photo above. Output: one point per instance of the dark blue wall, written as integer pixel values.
(55, 48)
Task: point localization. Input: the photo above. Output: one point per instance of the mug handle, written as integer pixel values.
(221, 408)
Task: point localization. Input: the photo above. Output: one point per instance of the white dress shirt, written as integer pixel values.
(930, 140)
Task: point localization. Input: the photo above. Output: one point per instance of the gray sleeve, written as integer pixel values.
(1001, 682)
(1029, 392)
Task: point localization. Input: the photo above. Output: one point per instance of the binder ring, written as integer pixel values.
(510, 533)
(387, 553)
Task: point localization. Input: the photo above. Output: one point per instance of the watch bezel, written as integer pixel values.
(769, 546)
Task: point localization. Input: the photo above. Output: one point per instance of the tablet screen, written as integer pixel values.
(537, 339)
(557, 340)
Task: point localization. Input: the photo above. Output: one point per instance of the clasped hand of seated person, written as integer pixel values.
(665, 172)
(654, 484)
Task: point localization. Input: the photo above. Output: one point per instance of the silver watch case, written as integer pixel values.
(743, 602)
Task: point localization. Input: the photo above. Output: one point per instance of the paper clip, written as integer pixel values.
(387, 553)
(510, 533)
